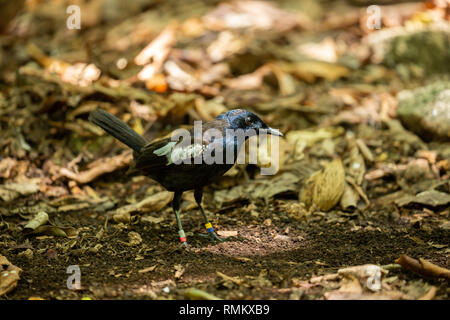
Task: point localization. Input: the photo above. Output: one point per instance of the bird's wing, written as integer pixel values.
(154, 156)
(162, 153)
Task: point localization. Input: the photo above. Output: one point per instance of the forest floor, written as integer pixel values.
(67, 200)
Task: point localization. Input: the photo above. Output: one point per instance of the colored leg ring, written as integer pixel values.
(209, 227)
(182, 236)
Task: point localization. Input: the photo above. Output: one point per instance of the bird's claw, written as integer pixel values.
(185, 246)
(213, 236)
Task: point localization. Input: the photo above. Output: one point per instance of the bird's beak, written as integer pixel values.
(274, 132)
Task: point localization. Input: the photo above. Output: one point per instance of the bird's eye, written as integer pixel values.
(248, 120)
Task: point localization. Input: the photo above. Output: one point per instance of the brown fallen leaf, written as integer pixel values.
(149, 269)
(103, 166)
(226, 233)
(38, 225)
(423, 267)
(157, 52)
(325, 187)
(9, 275)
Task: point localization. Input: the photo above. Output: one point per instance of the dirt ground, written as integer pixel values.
(270, 253)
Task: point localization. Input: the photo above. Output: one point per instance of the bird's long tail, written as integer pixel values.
(118, 129)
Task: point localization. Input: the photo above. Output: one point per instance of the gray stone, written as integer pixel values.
(426, 110)
(414, 51)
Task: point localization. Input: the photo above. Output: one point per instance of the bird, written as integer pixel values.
(196, 159)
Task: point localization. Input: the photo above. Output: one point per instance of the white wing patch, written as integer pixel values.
(178, 154)
(187, 152)
(165, 150)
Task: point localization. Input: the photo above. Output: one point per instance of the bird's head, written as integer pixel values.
(247, 121)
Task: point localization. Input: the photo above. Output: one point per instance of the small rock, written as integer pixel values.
(414, 50)
(426, 111)
(51, 254)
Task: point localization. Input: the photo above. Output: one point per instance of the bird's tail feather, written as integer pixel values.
(118, 129)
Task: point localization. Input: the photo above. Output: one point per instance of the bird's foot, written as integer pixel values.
(213, 236)
(184, 247)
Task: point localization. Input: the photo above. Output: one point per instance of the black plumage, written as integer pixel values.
(181, 165)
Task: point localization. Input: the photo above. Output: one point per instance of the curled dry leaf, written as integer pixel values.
(157, 52)
(356, 166)
(349, 199)
(197, 294)
(9, 275)
(103, 166)
(423, 267)
(325, 187)
(38, 220)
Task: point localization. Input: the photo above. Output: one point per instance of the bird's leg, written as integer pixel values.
(198, 195)
(176, 208)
